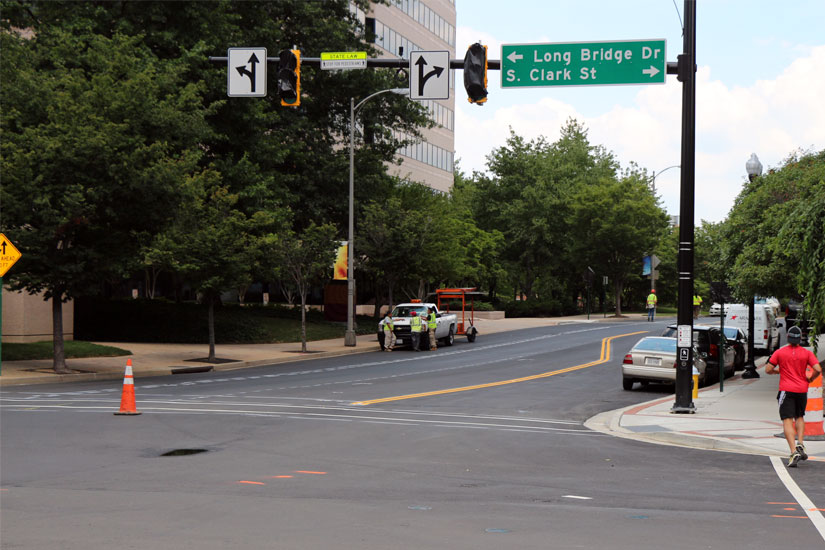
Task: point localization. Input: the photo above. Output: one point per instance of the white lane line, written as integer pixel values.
(804, 502)
(577, 497)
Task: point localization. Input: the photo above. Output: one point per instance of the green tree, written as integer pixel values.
(766, 227)
(618, 222)
(307, 259)
(97, 137)
(211, 240)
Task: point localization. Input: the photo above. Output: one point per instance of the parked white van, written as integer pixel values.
(766, 335)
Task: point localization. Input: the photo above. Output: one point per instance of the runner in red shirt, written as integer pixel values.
(792, 362)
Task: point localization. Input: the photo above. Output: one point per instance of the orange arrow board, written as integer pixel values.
(8, 254)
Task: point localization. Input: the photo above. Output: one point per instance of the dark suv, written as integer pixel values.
(706, 340)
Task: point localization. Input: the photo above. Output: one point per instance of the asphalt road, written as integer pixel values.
(474, 446)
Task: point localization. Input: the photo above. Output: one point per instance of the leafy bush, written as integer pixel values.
(455, 305)
(547, 308)
(168, 322)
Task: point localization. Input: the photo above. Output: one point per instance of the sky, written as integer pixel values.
(760, 87)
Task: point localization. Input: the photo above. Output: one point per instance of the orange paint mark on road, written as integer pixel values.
(281, 477)
(789, 509)
(789, 517)
(252, 482)
(309, 472)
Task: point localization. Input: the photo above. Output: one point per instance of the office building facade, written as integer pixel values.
(404, 26)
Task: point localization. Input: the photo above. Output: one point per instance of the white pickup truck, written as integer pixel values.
(444, 332)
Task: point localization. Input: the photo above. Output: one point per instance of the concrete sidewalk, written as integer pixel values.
(743, 418)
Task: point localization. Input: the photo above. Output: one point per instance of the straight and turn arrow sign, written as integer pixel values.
(429, 75)
(243, 71)
(246, 72)
(423, 78)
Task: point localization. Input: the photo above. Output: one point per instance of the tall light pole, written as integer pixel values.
(349, 336)
(754, 169)
(683, 404)
(659, 173)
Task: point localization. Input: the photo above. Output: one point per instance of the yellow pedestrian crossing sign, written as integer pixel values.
(8, 254)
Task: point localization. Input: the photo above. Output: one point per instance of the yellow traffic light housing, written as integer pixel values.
(475, 73)
(289, 78)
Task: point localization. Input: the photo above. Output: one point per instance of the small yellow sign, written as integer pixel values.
(343, 60)
(339, 56)
(8, 254)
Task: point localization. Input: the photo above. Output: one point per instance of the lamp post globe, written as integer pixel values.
(753, 167)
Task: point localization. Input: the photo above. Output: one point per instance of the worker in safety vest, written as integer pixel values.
(651, 305)
(389, 332)
(432, 323)
(697, 305)
(416, 326)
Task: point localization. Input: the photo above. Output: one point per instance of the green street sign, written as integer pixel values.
(583, 63)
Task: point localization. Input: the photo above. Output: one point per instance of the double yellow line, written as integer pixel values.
(603, 358)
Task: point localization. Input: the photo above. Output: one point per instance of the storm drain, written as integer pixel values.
(184, 452)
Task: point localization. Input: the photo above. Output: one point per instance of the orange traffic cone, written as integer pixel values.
(813, 411)
(127, 398)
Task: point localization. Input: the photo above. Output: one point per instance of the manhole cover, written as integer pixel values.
(184, 452)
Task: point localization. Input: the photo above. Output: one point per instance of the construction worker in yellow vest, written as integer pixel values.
(389, 333)
(416, 326)
(697, 305)
(432, 323)
(651, 305)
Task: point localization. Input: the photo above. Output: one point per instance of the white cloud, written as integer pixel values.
(772, 118)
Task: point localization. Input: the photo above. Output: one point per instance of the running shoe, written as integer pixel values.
(800, 449)
(793, 460)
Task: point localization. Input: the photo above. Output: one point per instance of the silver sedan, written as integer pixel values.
(653, 359)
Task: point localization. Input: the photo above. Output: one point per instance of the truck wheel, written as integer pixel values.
(448, 341)
(471, 335)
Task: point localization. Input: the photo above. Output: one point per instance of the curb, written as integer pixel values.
(168, 371)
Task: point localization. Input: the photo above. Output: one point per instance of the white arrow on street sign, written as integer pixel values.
(513, 57)
(246, 72)
(651, 72)
(430, 75)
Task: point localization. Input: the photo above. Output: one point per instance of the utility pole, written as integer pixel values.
(687, 76)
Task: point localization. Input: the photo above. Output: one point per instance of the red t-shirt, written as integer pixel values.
(792, 362)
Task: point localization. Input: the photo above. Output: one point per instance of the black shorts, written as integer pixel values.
(792, 404)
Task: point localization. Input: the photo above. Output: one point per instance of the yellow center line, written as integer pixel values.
(603, 358)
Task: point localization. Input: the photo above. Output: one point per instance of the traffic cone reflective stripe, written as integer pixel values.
(127, 398)
(813, 411)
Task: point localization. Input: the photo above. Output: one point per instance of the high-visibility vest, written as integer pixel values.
(431, 322)
(388, 326)
(415, 324)
(697, 300)
(651, 300)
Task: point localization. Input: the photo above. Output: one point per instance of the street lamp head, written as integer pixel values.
(401, 91)
(753, 167)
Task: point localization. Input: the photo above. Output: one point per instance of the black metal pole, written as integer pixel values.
(750, 366)
(687, 76)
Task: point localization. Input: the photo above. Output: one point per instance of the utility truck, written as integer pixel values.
(401, 314)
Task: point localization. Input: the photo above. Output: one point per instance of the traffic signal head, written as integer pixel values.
(289, 77)
(475, 73)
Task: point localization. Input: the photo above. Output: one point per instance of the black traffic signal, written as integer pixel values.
(289, 77)
(475, 73)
